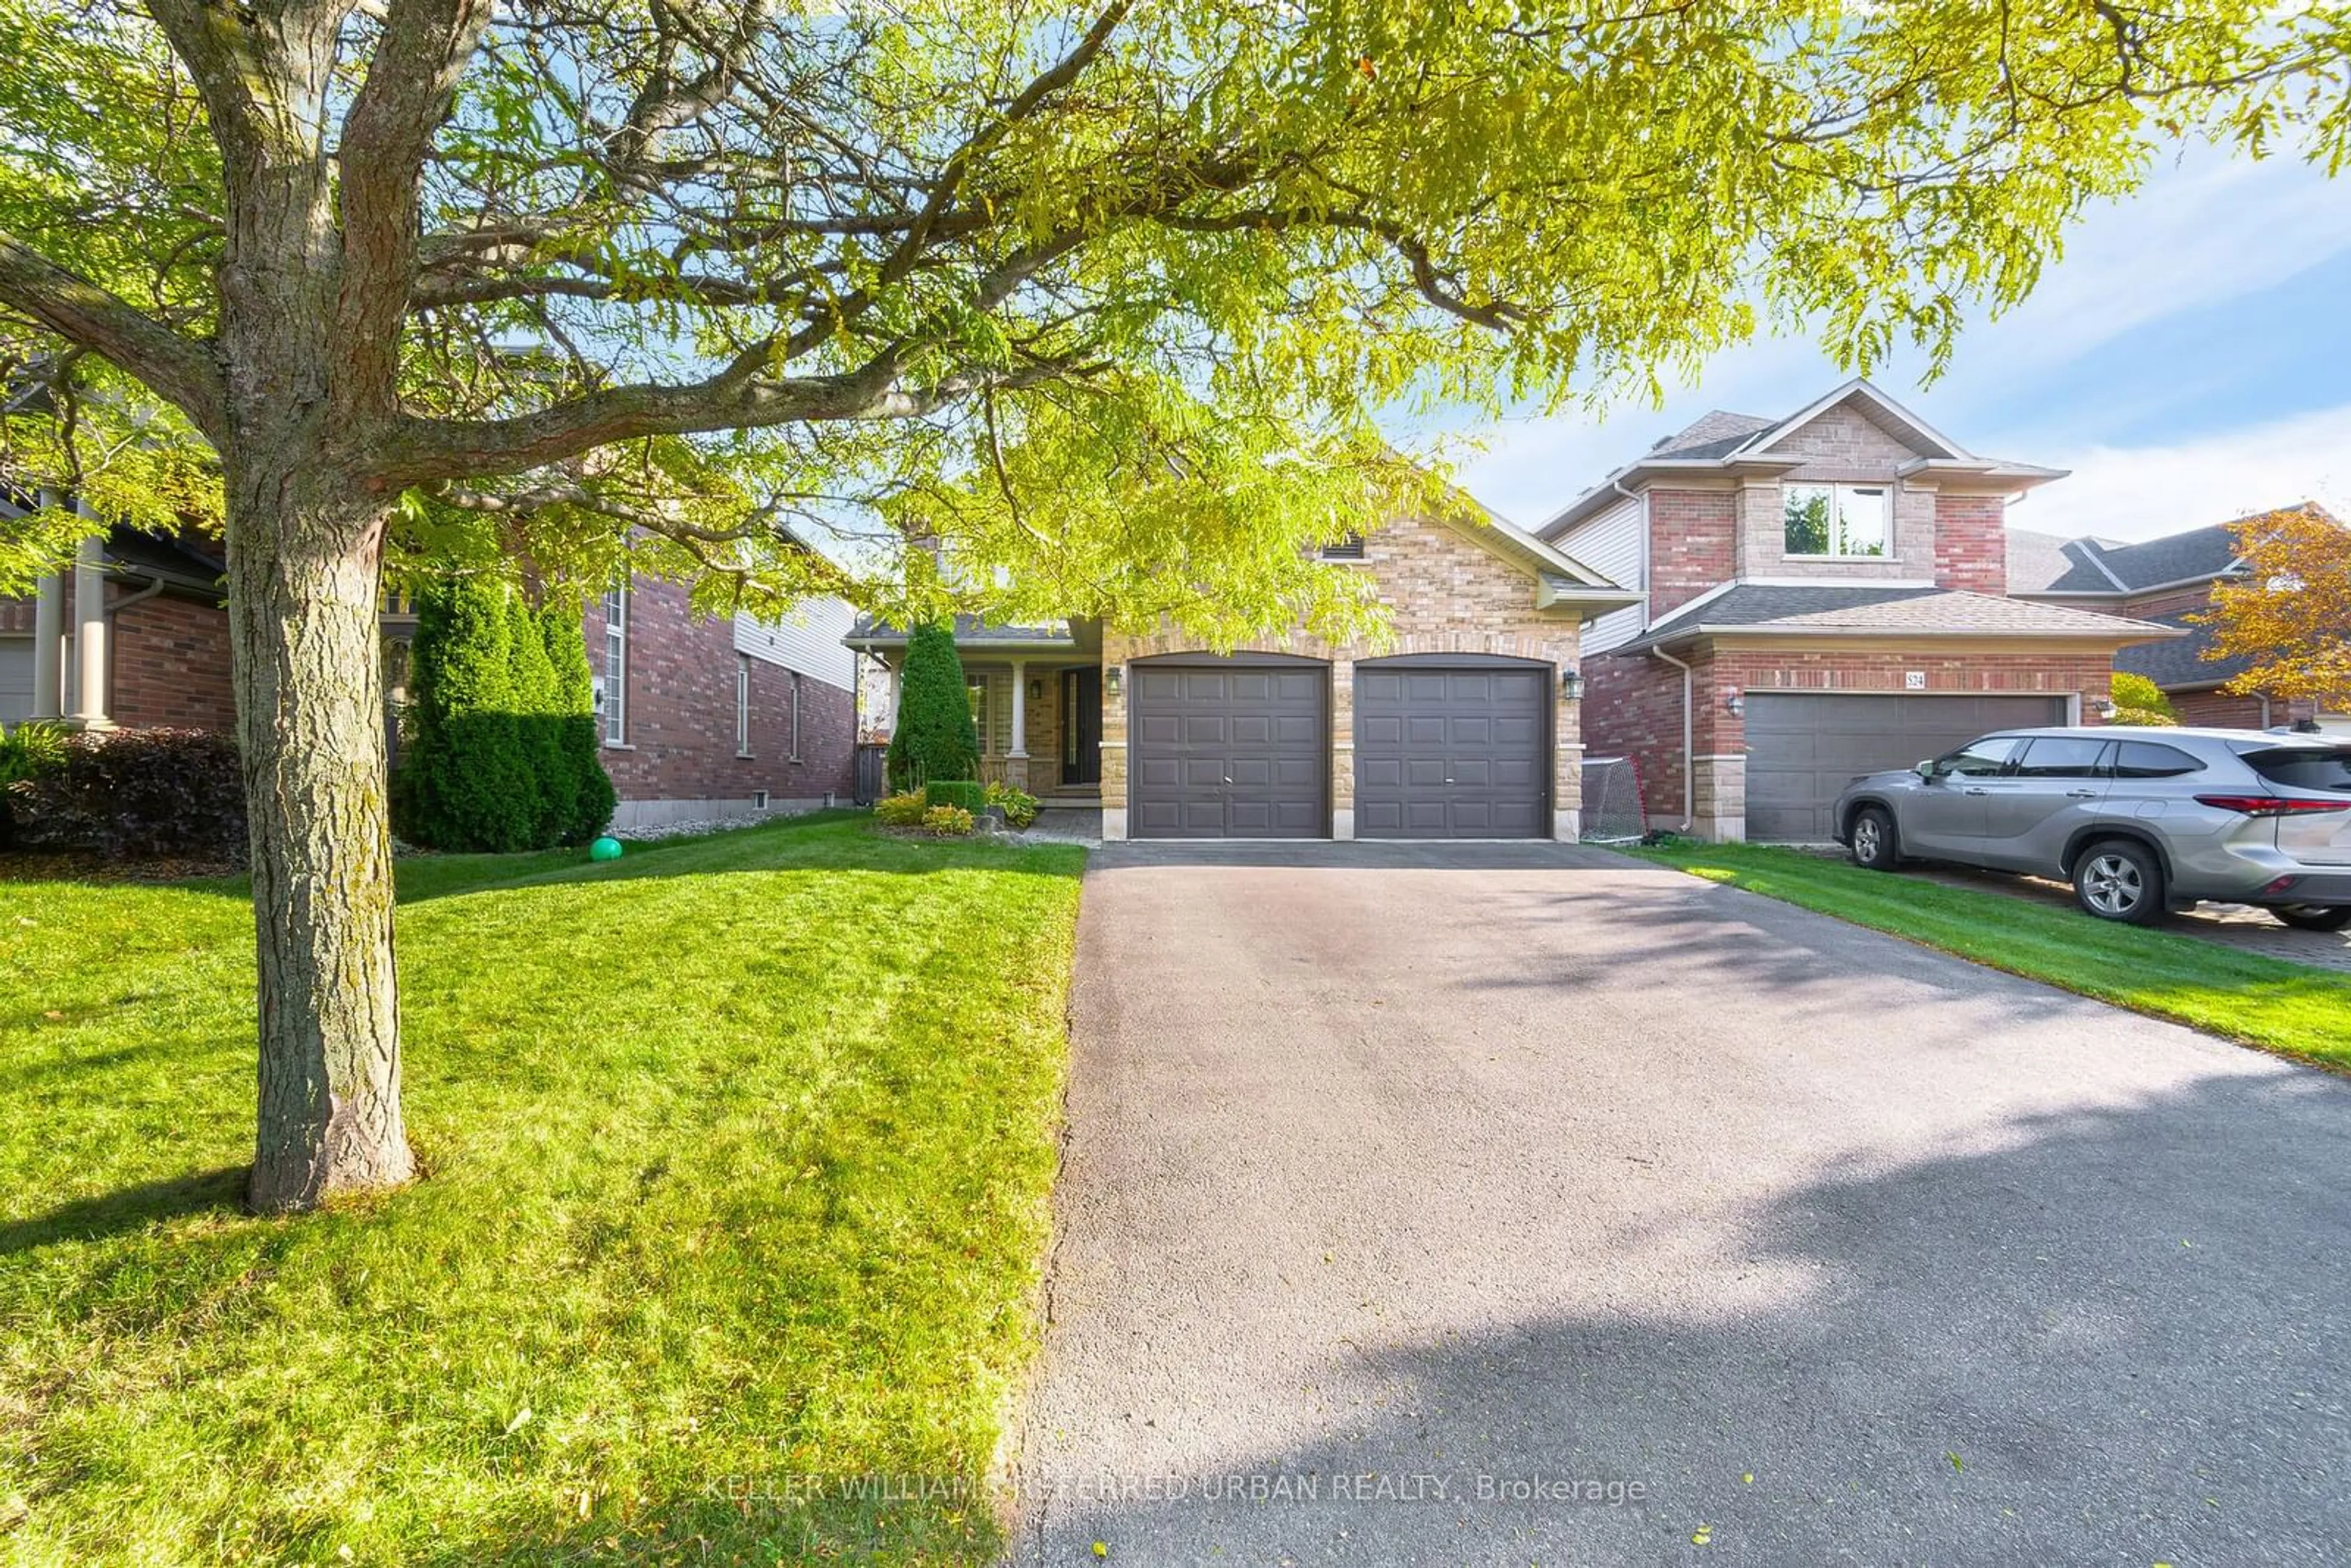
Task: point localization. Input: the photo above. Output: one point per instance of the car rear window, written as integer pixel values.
(2304, 766)
(2145, 759)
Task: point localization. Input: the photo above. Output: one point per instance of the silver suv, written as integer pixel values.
(2140, 820)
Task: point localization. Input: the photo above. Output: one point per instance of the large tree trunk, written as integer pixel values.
(304, 571)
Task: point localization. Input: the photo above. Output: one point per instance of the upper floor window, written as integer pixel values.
(1348, 548)
(1852, 521)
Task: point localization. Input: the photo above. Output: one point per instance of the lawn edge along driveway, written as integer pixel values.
(2288, 1009)
(740, 1153)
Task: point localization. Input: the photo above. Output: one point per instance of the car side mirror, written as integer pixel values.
(1925, 771)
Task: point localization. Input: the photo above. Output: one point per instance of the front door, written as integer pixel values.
(1082, 725)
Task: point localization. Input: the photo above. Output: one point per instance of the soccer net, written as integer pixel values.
(1612, 801)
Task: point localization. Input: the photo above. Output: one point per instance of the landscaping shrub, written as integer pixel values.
(32, 748)
(968, 793)
(586, 797)
(946, 821)
(934, 737)
(505, 754)
(135, 792)
(2139, 700)
(900, 810)
(1019, 806)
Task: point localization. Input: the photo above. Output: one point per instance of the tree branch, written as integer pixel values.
(176, 368)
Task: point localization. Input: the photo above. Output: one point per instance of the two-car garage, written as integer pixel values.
(1444, 747)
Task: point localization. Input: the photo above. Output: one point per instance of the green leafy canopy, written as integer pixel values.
(1109, 299)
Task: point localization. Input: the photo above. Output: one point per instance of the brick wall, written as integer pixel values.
(681, 743)
(1446, 594)
(1971, 543)
(171, 666)
(1633, 708)
(2171, 601)
(2225, 710)
(1693, 546)
(1633, 703)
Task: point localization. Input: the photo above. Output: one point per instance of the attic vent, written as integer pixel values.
(1349, 549)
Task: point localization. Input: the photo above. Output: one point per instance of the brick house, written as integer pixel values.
(702, 717)
(1818, 595)
(2164, 581)
(1463, 725)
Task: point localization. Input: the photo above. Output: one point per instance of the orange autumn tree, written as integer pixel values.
(2289, 613)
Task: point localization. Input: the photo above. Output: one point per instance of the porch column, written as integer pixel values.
(48, 639)
(1019, 708)
(89, 633)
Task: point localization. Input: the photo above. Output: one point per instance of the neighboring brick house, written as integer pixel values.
(702, 717)
(707, 718)
(1462, 725)
(1819, 595)
(151, 652)
(2166, 580)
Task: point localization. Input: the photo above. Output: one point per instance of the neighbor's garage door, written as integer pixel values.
(1451, 752)
(1229, 750)
(1801, 751)
(15, 679)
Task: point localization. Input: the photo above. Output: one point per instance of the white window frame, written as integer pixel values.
(795, 716)
(1837, 496)
(983, 690)
(742, 704)
(616, 666)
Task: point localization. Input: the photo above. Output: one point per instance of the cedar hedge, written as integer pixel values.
(503, 753)
(933, 737)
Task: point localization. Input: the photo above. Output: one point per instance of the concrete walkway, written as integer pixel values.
(1522, 1204)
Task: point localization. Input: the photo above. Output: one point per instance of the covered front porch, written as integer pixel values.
(1036, 702)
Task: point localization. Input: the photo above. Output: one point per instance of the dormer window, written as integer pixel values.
(1852, 522)
(1348, 548)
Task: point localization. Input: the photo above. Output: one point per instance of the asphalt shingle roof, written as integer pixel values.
(967, 629)
(2180, 662)
(1715, 434)
(1924, 611)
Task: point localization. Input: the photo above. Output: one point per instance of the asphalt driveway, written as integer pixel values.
(1526, 1205)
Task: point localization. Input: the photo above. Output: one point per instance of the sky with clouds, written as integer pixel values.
(2189, 361)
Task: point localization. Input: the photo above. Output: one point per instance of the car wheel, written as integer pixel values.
(1873, 843)
(2117, 879)
(2315, 917)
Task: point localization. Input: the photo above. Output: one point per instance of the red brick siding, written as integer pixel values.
(1693, 546)
(680, 712)
(1633, 708)
(1970, 543)
(2171, 601)
(2222, 710)
(171, 666)
(1633, 703)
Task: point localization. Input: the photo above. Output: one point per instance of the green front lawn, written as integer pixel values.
(739, 1153)
(2285, 1008)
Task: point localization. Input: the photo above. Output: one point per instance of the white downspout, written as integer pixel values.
(1689, 763)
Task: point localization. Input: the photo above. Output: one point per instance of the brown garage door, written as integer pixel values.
(1451, 750)
(1802, 750)
(1229, 748)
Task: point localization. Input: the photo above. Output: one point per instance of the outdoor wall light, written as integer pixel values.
(1111, 680)
(1036, 691)
(1737, 703)
(2107, 710)
(1571, 684)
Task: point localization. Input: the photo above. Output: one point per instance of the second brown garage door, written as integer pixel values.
(1804, 747)
(1229, 748)
(1452, 751)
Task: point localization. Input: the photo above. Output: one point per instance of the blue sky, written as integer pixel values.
(2189, 359)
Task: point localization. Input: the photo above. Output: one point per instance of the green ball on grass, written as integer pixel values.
(607, 847)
